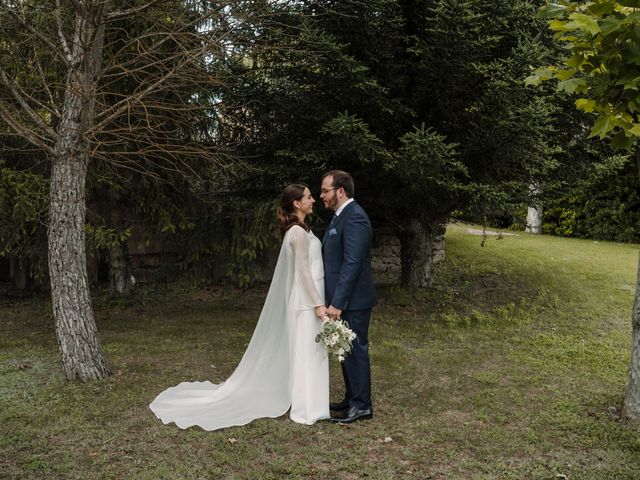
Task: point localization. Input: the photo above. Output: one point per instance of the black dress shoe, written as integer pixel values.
(354, 414)
(338, 407)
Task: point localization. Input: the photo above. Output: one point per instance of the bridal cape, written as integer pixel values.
(261, 385)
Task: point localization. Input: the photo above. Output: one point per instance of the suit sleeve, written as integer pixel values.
(299, 241)
(356, 238)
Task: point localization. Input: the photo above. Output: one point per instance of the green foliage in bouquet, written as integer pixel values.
(337, 338)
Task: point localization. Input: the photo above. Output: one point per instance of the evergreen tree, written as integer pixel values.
(422, 101)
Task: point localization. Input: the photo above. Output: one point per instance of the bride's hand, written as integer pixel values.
(321, 312)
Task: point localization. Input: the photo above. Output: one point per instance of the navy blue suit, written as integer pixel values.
(346, 253)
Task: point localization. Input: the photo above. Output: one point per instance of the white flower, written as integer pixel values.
(337, 337)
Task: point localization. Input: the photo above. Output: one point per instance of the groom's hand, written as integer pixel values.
(334, 312)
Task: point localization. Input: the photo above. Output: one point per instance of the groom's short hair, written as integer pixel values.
(341, 179)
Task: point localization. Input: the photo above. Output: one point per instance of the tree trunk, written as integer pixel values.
(19, 272)
(416, 258)
(82, 356)
(120, 269)
(120, 276)
(631, 408)
(534, 220)
(534, 212)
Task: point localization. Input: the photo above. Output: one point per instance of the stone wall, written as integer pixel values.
(155, 259)
(385, 255)
(437, 249)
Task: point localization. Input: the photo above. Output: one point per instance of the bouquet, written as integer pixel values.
(337, 337)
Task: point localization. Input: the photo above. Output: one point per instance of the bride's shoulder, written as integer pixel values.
(295, 231)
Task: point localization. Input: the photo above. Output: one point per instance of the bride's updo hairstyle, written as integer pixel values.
(285, 215)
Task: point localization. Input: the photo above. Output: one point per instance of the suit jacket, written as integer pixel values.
(346, 254)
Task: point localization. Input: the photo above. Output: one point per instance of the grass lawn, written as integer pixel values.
(512, 367)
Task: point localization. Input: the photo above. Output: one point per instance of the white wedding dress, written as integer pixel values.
(283, 367)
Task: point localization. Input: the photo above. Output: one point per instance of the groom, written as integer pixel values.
(346, 253)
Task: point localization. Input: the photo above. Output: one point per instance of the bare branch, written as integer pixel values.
(150, 33)
(37, 33)
(20, 98)
(63, 40)
(52, 107)
(123, 104)
(131, 11)
(122, 66)
(76, 5)
(23, 131)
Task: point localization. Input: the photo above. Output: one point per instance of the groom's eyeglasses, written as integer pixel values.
(327, 190)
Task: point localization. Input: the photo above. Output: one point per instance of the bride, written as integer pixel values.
(283, 367)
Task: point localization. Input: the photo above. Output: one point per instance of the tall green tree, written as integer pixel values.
(422, 100)
(602, 69)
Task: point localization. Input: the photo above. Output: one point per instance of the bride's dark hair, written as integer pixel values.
(285, 215)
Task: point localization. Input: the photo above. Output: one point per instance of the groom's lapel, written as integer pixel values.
(337, 223)
(326, 233)
(332, 226)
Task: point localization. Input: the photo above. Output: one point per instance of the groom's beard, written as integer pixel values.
(332, 203)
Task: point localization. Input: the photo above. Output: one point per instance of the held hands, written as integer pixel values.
(321, 312)
(333, 312)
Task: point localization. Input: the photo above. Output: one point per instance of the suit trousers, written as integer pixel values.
(356, 368)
